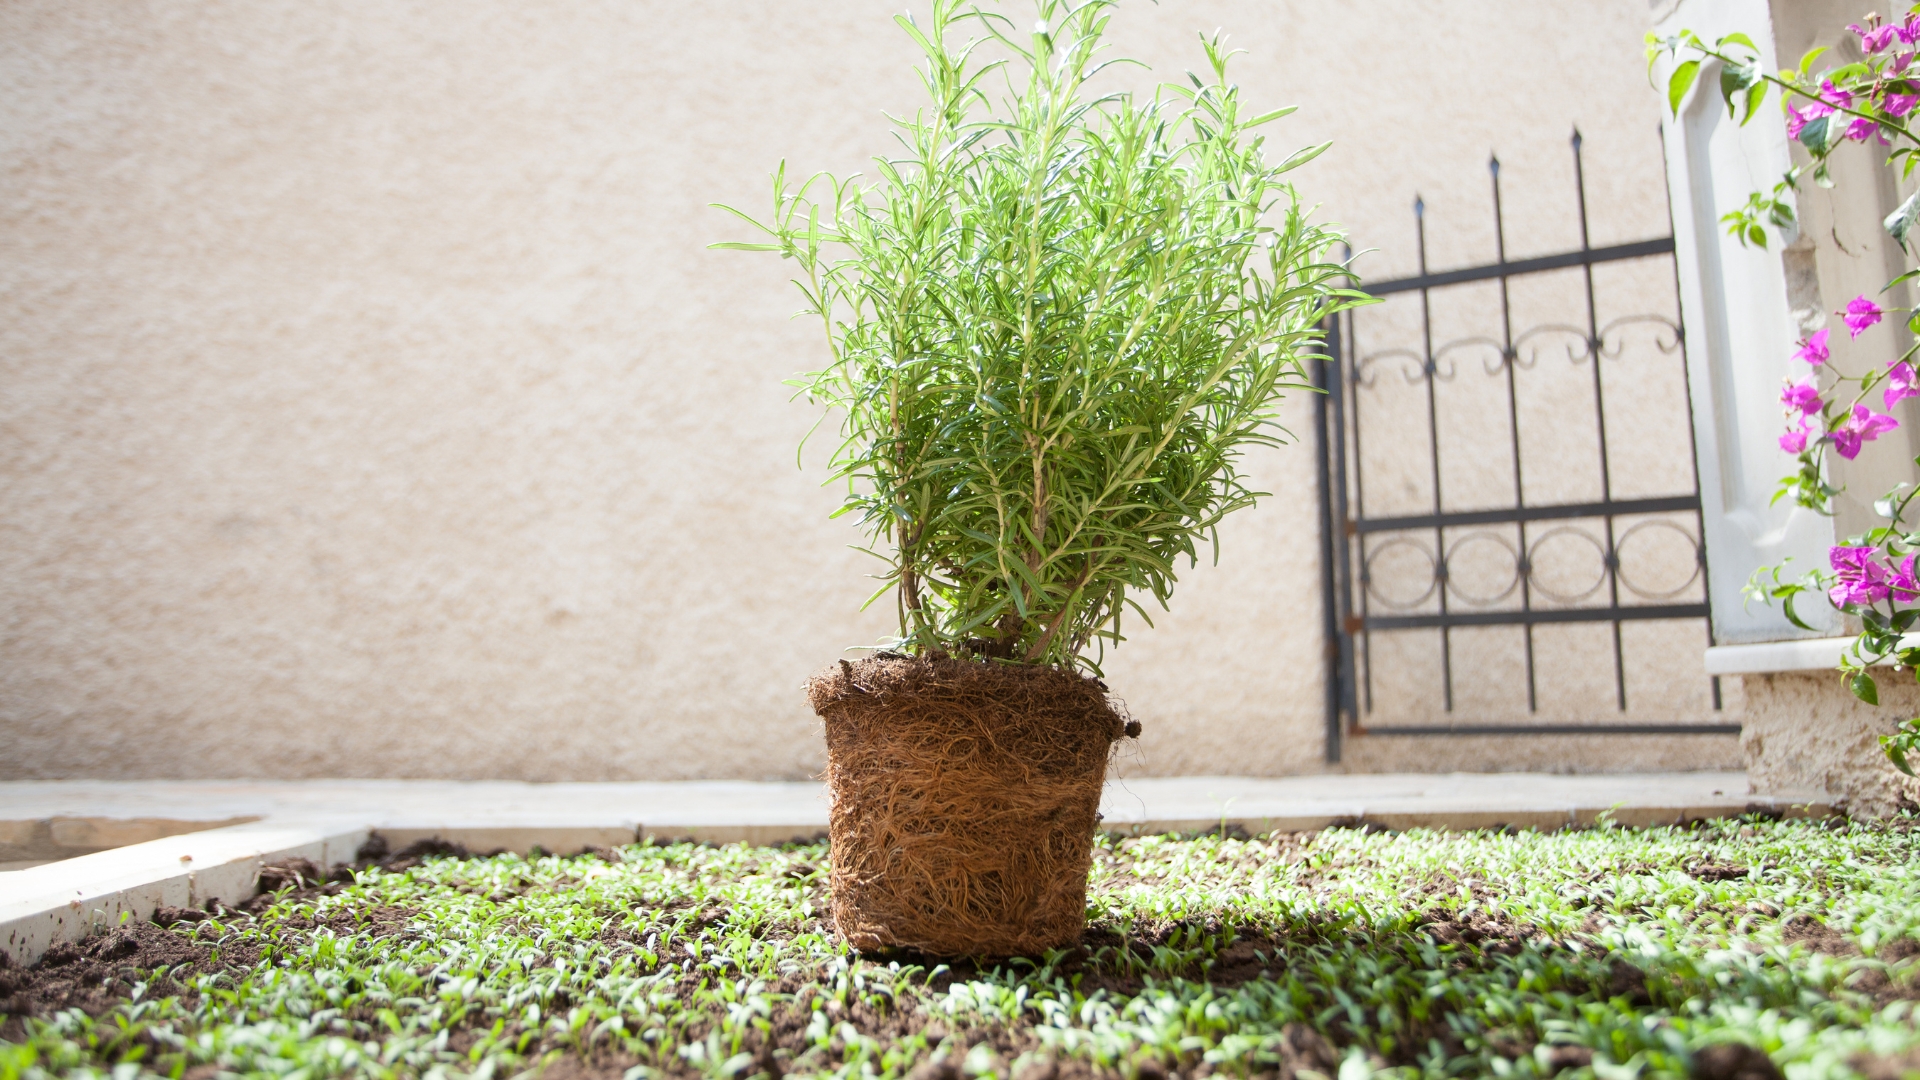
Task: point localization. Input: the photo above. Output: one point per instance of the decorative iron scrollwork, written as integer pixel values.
(1608, 343)
(1525, 565)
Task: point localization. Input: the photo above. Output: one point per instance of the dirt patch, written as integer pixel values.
(1717, 871)
(1627, 981)
(96, 974)
(1734, 1061)
(1897, 949)
(1817, 936)
(1567, 1056)
(1487, 933)
(611, 1067)
(1887, 1066)
(1364, 826)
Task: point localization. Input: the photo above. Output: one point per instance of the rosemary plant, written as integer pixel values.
(1055, 325)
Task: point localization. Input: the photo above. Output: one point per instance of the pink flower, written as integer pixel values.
(1795, 440)
(1863, 426)
(1802, 396)
(1899, 104)
(1860, 314)
(1796, 119)
(1902, 383)
(1904, 585)
(1909, 31)
(1833, 95)
(1874, 38)
(1814, 349)
(1900, 62)
(1860, 128)
(1863, 579)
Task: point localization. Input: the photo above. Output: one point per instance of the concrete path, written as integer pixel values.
(568, 816)
(191, 843)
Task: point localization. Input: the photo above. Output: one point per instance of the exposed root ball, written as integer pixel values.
(965, 796)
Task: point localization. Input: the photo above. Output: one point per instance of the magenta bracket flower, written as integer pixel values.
(1860, 128)
(1863, 579)
(1862, 427)
(1798, 118)
(1902, 383)
(1795, 440)
(1874, 36)
(1814, 349)
(1905, 587)
(1802, 396)
(1859, 314)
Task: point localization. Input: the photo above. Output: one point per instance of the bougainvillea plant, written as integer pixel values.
(1872, 101)
(1056, 321)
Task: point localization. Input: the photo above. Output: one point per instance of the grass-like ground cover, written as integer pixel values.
(1605, 952)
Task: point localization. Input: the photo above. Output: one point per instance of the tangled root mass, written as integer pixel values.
(965, 796)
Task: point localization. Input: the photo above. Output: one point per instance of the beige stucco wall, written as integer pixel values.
(1804, 732)
(370, 405)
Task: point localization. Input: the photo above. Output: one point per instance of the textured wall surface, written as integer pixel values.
(370, 404)
(1804, 732)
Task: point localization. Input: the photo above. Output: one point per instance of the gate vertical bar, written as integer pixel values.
(1600, 420)
(1343, 518)
(1513, 423)
(1326, 378)
(1433, 442)
(1359, 509)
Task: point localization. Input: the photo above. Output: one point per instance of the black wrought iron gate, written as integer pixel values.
(1439, 530)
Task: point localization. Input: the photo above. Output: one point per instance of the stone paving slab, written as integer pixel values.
(517, 815)
(327, 820)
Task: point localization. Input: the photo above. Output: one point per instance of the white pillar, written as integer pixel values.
(1741, 335)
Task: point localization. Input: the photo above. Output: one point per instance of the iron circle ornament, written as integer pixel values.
(1368, 579)
(1453, 579)
(1533, 565)
(1620, 549)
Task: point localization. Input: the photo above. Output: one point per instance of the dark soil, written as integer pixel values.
(96, 974)
(1817, 936)
(1881, 1067)
(1717, 871)
(1734, 1061)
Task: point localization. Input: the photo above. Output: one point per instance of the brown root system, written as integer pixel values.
(965, 797)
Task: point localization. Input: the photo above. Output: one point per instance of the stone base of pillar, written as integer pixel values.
(1804, 730)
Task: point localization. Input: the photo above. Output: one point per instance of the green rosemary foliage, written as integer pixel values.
(1055, 326)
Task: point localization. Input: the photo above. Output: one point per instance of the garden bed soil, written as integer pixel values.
(1117, 962)
(100, 972)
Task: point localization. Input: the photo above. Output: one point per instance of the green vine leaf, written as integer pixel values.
(1904, 741)
(1863, 687)
(1900, 223)
(1680, 82)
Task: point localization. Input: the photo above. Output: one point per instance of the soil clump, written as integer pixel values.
(97, 974)
(965, 795)
(1734, 1061)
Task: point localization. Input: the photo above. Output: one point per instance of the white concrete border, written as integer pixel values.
(1765, 658)
(73, 898)
(327, 821)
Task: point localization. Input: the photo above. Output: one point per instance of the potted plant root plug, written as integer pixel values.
(1056, 321)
